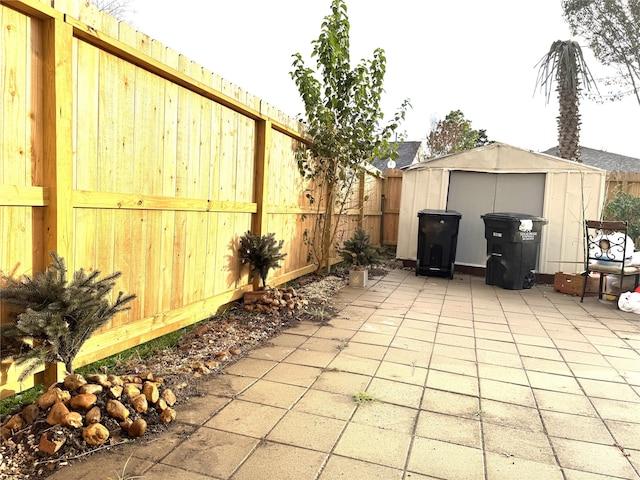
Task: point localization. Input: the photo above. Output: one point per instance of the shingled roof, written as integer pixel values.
(407, 153)
(611, 162)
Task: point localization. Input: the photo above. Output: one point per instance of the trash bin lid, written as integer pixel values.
(513, 217)
(452, 213)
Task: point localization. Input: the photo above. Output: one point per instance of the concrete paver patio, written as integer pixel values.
(470, 381)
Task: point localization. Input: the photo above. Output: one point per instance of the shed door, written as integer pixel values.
(474, 194)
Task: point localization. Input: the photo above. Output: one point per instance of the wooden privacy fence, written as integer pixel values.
(628, 182)
(122, 155)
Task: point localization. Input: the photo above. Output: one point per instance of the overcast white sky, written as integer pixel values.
(475, 56)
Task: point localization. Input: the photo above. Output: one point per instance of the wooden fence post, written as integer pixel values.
(261, 175)
(361, 189)
(57, 84)
(261, 181)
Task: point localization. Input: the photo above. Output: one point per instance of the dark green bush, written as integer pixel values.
(358, 250)
(261, 253)
(625, 207)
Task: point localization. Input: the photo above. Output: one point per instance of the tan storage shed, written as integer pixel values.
(503, 178)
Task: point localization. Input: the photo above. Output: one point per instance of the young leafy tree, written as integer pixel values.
(611, 28)
(564, 64)
(56, 317)
(454, 134)
(343, 116)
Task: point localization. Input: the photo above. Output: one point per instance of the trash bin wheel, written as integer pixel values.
(529, 280)
(417, 267)
(451, 272)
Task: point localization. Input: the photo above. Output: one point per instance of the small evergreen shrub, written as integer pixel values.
(261, 253)
(358, 251)
(57, 317)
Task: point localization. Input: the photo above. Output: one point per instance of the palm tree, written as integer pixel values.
(565, 65)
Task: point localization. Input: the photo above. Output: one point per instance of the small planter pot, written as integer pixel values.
(359, 278)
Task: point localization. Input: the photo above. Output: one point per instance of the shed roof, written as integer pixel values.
(407, 152)
(500, 157)
(611, 162)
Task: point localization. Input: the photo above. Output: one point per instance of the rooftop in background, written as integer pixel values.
(408, 154)
(612, 162)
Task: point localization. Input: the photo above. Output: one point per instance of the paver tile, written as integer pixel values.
(617, 410)
(454, 340)
(246, 418)
(626, 434)
(284, 462)
(499, 358)
(454, 365)
(328, 404)
(443, 460)
(341, 382)
(375, 352)
(515, 442)
(372, 338)
(496, 345)
(373, 444)
(611, 390)
(452, 382)
(311, 358)
(555, 383)
(454, 352)
(402, 373)
(307, 431)
(505, 374)
(274, 352)
(509, 415)
(386, 416)
(507, 392)
(449, 428)
(576, 427)
(397, 393)
(450, 403)
(275, 394)
(212, 452)
(593, 457)
(407, 357)
(300, 375)
(546, 366)
(340, 468)
(502, 467)
(350, 363)
(577, 404)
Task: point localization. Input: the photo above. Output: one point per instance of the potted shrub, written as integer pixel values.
(359, 255)
(261, 253)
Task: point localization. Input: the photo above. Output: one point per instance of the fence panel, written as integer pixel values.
(627, 182)
(391, 213)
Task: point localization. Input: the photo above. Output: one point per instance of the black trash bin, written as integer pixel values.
(437, 242)
(513, 240)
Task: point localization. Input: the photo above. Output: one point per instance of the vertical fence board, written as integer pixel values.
(15, 98)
